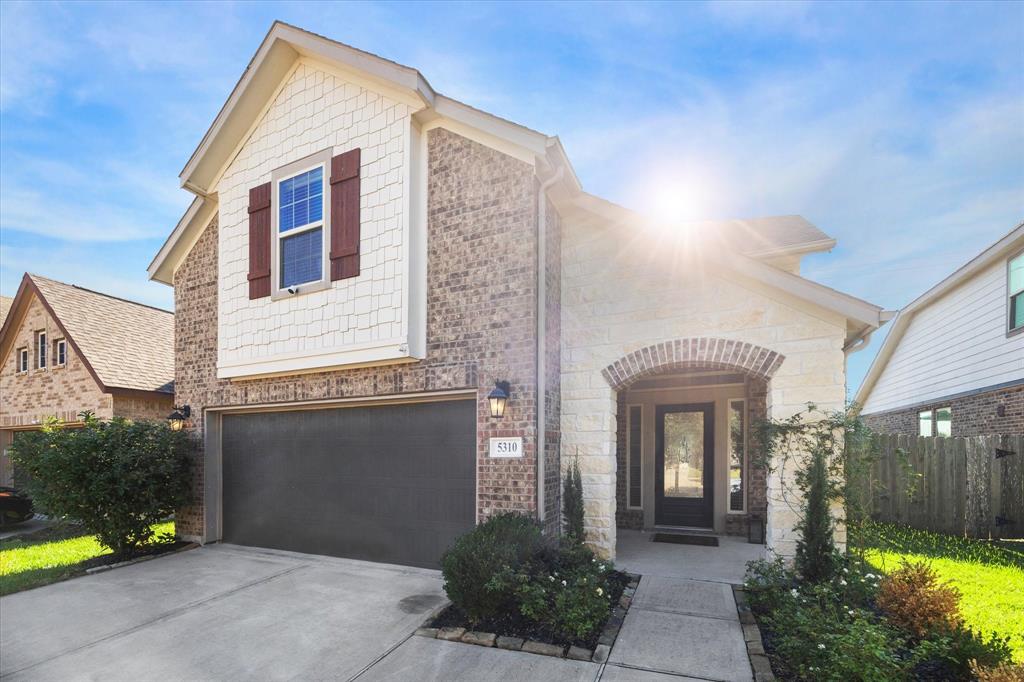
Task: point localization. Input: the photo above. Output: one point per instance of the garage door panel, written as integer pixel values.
(391, 483)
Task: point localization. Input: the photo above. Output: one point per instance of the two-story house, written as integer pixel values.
(397, 314)
(65, 350)
(953, 361)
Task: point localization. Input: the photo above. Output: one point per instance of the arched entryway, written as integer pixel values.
(685, 456)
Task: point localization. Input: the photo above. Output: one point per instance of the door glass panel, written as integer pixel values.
(684, 455)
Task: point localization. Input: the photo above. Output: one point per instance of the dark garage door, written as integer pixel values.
(392, 483)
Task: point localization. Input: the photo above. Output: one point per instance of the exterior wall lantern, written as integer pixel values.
(178, 418)
(498, 399)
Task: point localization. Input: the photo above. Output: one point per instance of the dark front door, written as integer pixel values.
(684, 465)
(391, 483)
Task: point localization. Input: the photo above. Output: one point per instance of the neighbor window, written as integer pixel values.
(737, 453)
(300, 227)
(41, 350)
(1015, 289)
(944, 422)
(60, 352)
(924, 421)
(23, 359)
(634, 448)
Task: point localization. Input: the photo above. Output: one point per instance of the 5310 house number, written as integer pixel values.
(506, 447)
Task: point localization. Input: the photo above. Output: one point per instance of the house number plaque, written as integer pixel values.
(506, 447)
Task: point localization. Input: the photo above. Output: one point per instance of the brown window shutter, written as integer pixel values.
(345, 215)
(259, 241)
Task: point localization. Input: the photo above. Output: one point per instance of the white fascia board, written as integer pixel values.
(382, 353)
(1001, 249)
(519, 135)
(181, 240)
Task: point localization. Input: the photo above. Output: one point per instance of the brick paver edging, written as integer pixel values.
(752, 636)
(489, 639)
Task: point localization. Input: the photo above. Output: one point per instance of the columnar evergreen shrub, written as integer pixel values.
(572, 502)
(116, 477)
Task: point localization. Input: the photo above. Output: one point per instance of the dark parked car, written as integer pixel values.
(15, 506)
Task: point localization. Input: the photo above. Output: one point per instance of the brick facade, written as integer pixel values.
(481, 319)
(63, 392)
(995, 412)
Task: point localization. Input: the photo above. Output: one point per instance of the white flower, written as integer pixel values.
(551, 578)
(601, 567)
(794, 592)
(821, 646)
(563, 583)
(600, 592)
(842, 582)
(846, 570)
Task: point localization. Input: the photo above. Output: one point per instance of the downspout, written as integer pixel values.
(542, 291)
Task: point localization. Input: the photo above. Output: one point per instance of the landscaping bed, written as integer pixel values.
(60, 552)
(512, 630)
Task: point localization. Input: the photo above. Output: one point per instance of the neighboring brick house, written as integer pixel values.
(953, 362)
(65, 350)
(366, 258)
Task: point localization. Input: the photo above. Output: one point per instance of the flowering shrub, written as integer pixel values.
(914, 599)
(834, 630)
(572, 603)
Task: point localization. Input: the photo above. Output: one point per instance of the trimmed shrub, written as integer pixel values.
(953, 655)
(572, 502)
(914, 599)
(117, 477)
(570, 596)
(473, 566)
(1005, 672)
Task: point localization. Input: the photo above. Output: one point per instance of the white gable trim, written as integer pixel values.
(1001, 249)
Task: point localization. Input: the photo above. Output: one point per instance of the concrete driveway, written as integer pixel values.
(219, 612)
(224, 612)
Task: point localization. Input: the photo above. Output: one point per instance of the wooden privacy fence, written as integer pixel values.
(962, 486)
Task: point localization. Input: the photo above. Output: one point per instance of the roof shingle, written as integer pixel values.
(128, 344)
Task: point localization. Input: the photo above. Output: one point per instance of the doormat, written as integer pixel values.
(686, 539)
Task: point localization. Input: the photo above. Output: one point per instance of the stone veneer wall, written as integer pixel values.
(63, 392)
(973, 415)
(481, 317)
(623, 291)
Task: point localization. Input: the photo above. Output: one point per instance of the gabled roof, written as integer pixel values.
(1012, 242)
(284, 44)
(126, 346)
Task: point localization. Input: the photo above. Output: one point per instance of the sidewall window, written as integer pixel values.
(924, 423)
(300, 224)
(1015, 293)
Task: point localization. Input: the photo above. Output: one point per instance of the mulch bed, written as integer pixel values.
(515, 625)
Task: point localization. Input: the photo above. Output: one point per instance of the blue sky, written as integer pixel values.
(896, 128)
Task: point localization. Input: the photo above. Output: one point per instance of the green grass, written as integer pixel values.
(51, 555)
(990, 576)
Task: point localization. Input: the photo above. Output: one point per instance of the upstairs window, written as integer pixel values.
(300, 227)
(40, 350)
(1015, 290)
(60, 352)
(23, 359)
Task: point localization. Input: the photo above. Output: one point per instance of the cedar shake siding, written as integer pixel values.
(481, 319)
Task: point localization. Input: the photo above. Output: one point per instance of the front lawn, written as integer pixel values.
(990, 577)
(53, 554)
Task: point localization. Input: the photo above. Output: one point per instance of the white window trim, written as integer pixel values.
(60, 347)
(42, 352)
(322, 159)
(1010, 330)
(931, 421)
(935, 421)
(22, 367)
(629, 453)
(728, 461)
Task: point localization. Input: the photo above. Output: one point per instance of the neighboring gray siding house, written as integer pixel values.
(366, 258)
(953, 362)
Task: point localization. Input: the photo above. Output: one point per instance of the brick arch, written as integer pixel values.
(693, 353)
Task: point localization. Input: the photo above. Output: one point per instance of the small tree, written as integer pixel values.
(825, 455)
(572, 503)
(116, 477)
